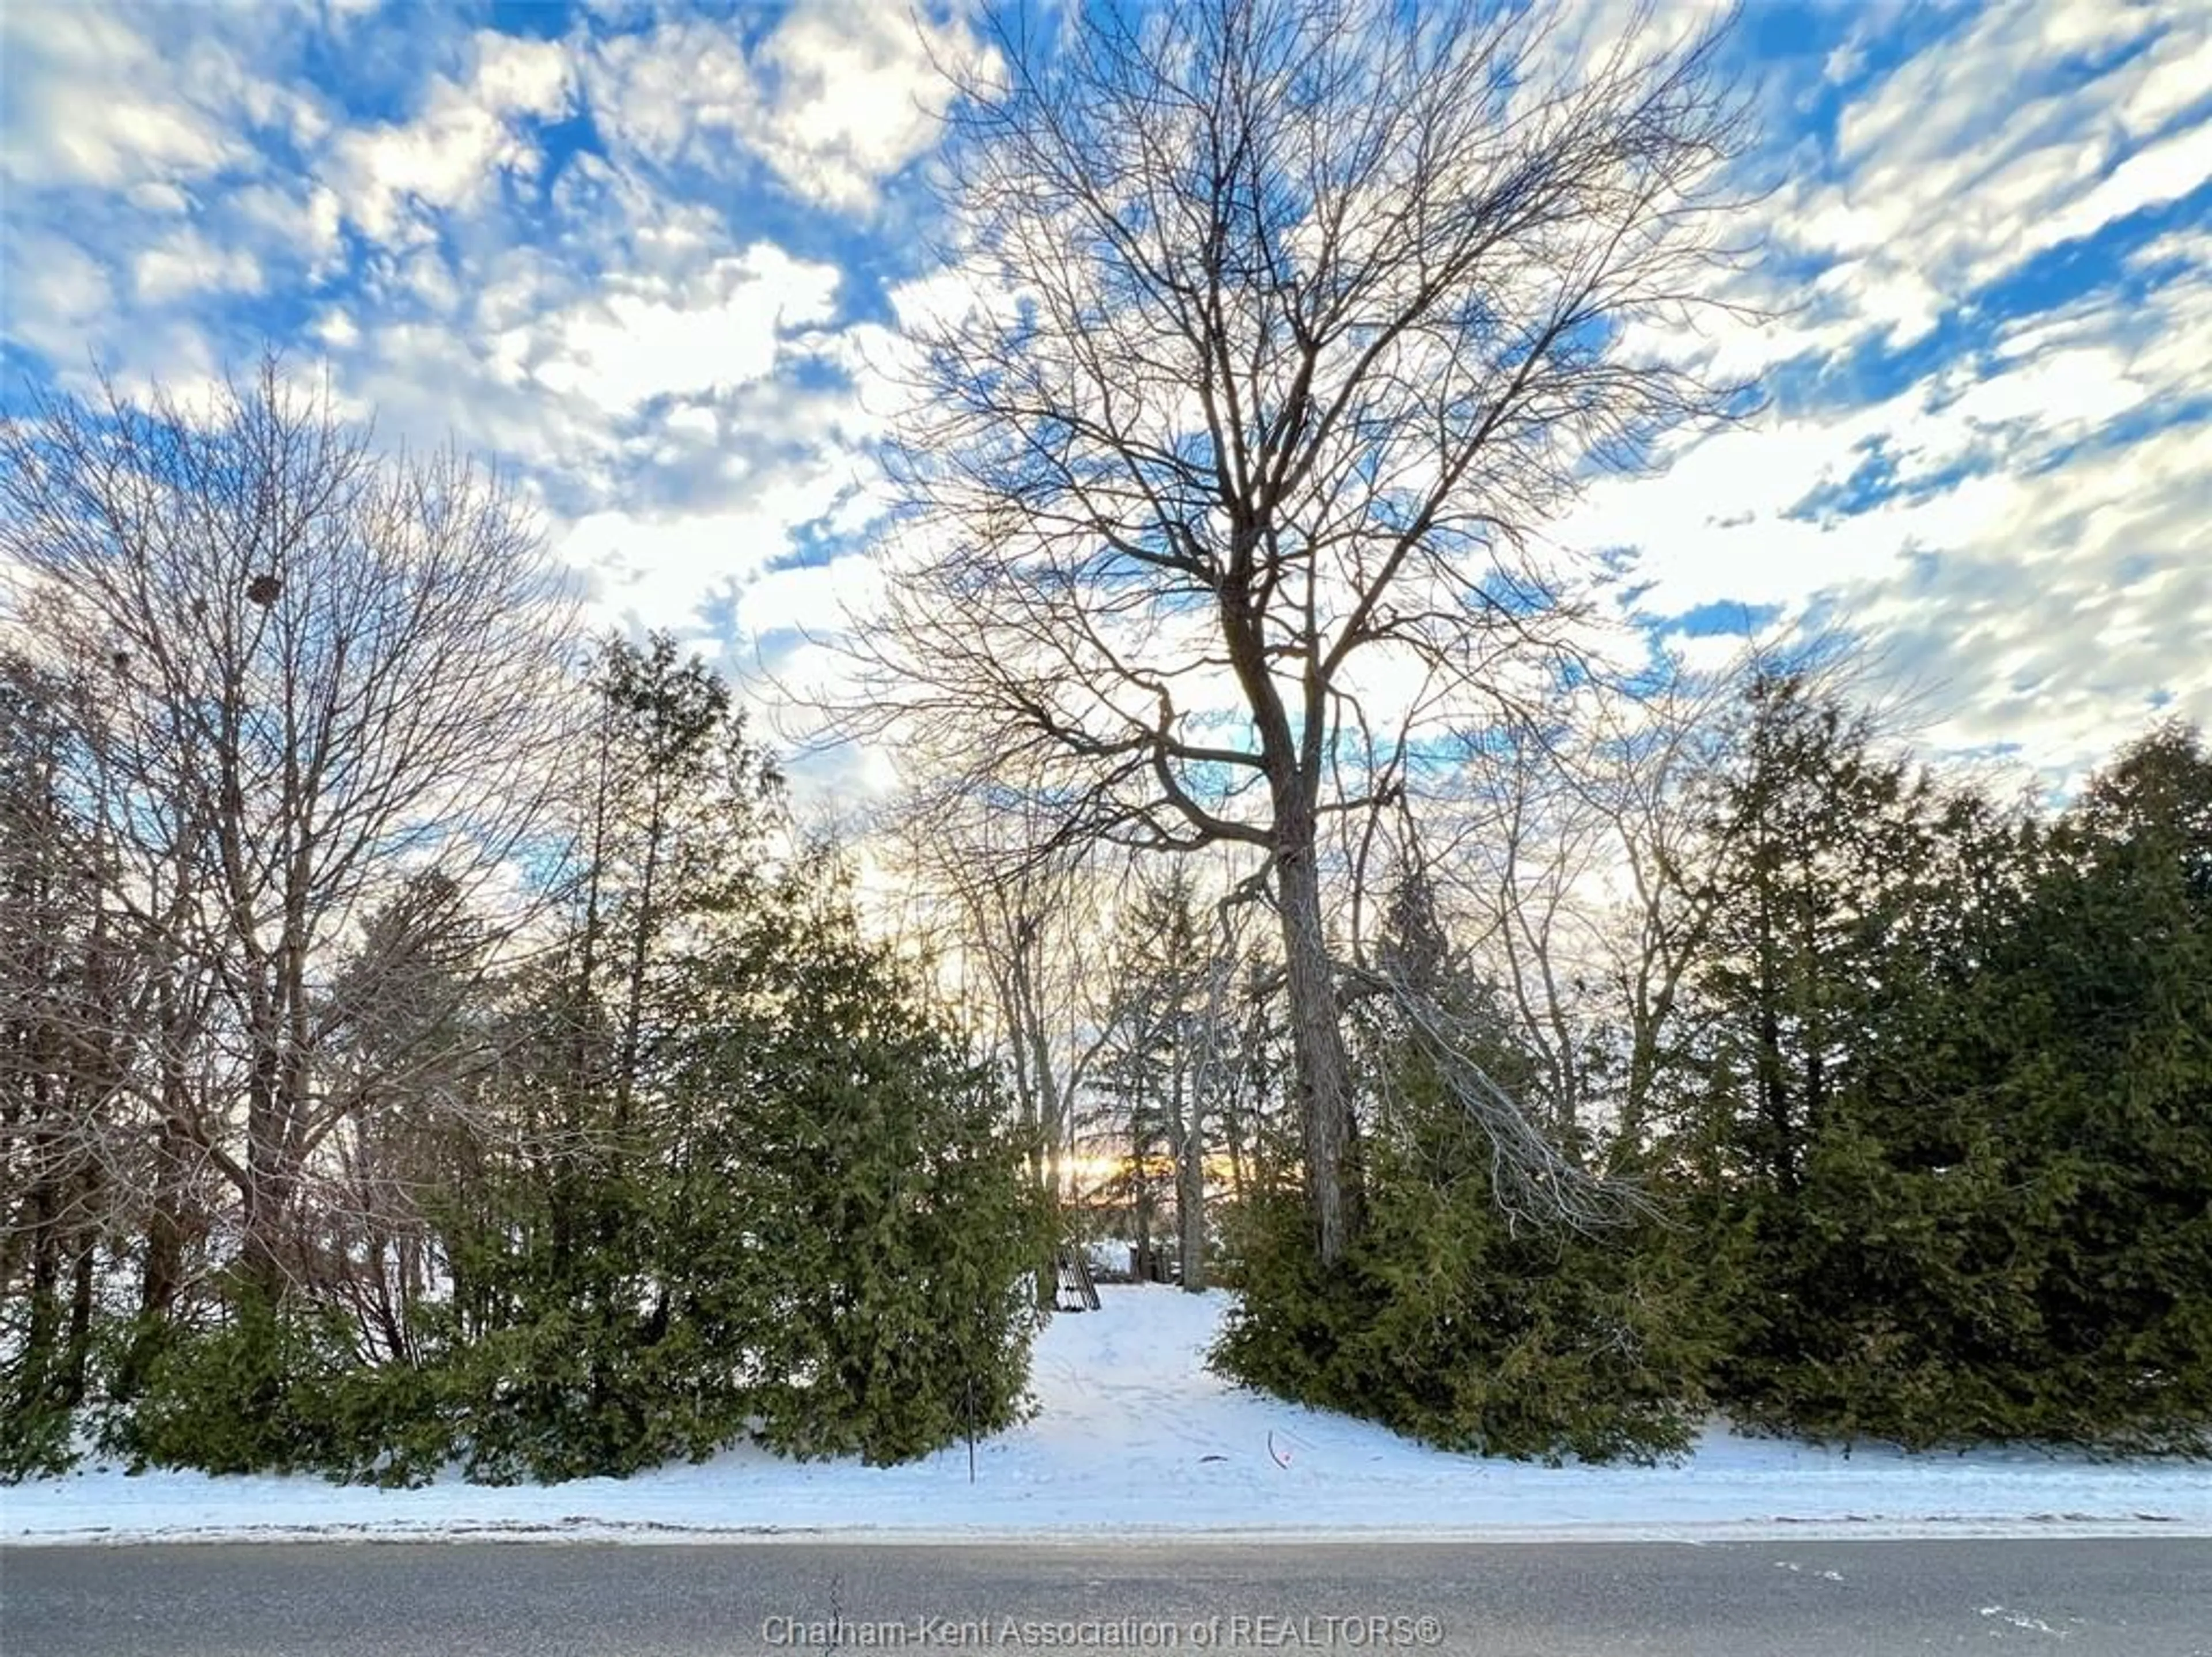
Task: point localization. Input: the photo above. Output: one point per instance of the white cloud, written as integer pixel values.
(453, 154)
(660, 570)
(837, 97)
(2163, 172)
(814, 598)
(1988, 148)
(155, 197)
(302, 219)
(2045, 594)
(88, 101)
(2173, 75)
(655, 364)
(857, 96)
(189, 263)
(52, 292)
(640, 339)
(652, 94)
(1705, 654)
(694, 420)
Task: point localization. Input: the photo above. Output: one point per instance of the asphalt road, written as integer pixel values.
(2128, 1598)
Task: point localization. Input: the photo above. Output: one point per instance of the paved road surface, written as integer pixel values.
(2072, 1598)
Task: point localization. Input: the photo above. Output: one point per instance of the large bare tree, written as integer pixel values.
(303, 674)
(1276, 331)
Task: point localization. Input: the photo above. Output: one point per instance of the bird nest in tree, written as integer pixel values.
(264, 589)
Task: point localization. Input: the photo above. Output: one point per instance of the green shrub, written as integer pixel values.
(38, 1439)
(244, 1397)
(1452, 1326)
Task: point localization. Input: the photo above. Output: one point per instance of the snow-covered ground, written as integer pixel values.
(1136, 1440)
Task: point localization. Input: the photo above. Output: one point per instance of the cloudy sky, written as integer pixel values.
(638, 253)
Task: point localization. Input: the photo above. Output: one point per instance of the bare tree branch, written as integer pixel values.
(1289, 323)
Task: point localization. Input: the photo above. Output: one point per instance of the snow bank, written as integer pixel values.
(1134, 1439)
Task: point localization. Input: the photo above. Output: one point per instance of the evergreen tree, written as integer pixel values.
(851, 1208)
(2098, 1006)
(1948, 1146)
(1840, 1186)
(705, 1168)
(675, 808)
(777, 1197)
(1455, 1322)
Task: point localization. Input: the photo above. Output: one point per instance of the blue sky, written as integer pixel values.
(643, 255)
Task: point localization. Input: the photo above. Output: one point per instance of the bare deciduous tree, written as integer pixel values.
(1023, 932)
(64, 979)
(304, 673)
(1287, 325)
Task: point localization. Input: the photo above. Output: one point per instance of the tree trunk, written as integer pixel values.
(1190, 1203)
(261, 1218)
(1141, 1196)
(162, 1274)
(80, 1325)
(44, 1323)
(1233, 1140)
(1324, 1072)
